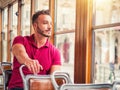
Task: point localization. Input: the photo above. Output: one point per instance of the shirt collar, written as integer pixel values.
(33, 41)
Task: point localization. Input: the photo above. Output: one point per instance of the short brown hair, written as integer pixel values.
(35, 16)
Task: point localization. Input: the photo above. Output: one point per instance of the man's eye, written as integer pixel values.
(44, 22)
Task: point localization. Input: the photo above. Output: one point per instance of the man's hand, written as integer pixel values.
(33, 66)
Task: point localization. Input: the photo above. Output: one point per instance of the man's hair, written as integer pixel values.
(42, 12)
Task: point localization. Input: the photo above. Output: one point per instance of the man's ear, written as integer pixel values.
(35, 25)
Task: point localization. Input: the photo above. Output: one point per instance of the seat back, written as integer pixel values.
(87, 87)
(42, 82)
(6, 69)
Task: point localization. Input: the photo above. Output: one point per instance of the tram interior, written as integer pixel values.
(104, 30)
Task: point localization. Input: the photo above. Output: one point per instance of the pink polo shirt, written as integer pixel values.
(47, 56)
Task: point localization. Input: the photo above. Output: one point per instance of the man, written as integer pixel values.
(35, 51)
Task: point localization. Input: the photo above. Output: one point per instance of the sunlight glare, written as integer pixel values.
(100, 1)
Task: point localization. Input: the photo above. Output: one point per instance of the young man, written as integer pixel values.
(35, 51)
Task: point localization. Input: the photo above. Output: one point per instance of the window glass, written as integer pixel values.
(106, 12)
(4, 34)
(65, 15)
(14, 20)
(106, 54)
(26, 18)
(65, 21)
(65, 43)
(41, 4)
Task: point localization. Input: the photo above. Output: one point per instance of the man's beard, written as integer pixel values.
(42, 32)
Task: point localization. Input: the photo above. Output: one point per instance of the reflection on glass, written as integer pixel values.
(66, 46)
(26, 17)
(107, 54)
(107, 11)
(65, 43)
(14, 21)
(41, 4)
(4, 35)
(65, 21)
(65, 15)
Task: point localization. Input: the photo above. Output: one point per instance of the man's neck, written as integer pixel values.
(40, 41)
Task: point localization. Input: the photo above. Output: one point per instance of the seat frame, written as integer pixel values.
(26, 78)
(103, 86)
(6, 68)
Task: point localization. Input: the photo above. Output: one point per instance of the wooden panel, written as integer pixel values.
(0, 35)
(44, 84)
(8, 34)
(36, 84)
(52, 11)
(19, 17)
(4, 3)
(32, 12)
(89, 42)
(82, 41)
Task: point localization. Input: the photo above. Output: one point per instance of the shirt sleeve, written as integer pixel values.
(18, 39)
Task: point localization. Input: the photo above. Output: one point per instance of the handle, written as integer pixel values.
(21, 72)
(23, 77)
(60, 74)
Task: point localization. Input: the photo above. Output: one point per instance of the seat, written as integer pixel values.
(43, 82)
(6, 70)
(103, 86)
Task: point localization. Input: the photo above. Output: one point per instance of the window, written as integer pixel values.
(4, 34)
(65, 33)
(42, 4)
(106, 12)
(106, 41)
(14, 21)
(26, 18)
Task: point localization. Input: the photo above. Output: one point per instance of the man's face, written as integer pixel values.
(44, 25)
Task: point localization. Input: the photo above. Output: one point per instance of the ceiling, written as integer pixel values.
(4, 3)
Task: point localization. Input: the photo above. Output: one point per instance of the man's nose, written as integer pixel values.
(49, 26)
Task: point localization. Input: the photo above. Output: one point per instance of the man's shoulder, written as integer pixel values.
(21, 39)
(20, 36)
(53, 47)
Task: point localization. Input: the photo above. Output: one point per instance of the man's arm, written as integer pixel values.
(19, 52)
